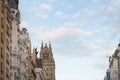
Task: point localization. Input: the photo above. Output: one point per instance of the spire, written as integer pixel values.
(46, 45)
(50, 45)
(119, 46)
(42, 45)
(119, 43)
(36, 52)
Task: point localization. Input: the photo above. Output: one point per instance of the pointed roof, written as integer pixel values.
(42, 44)
(46, 45)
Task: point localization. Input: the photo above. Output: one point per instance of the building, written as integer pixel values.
(113, 67)
(48, 62)
(113, 73)
(24, 45)
(16, 60)
(117, 53)
(5, 40)
(32, 65)
(40, 74)
(104, 78)
(108, 74)
(15, 56)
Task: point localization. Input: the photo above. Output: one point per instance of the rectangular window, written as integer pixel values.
(2, 22)
(7, 44)
(1, 68)
(1, 52)
(7, 57)
(7, 29)
(47, 69)
(7, 71)
(51, 75)
(1, 37)
(2, 9)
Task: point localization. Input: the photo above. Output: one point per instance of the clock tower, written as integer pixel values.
(48, 62)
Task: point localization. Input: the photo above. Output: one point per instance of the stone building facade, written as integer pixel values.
(17, 62)
(5, 40)
(15, 56)
(114, 65)
(40, 73)
(24, 50)
(48, 62)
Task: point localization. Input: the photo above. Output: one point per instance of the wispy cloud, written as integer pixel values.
(58, 13)
(23, 24)
(46, 6)
(61, 14)
(90, 12)
(96, 0)
(61, 33)
(41, 16)
(76, 15)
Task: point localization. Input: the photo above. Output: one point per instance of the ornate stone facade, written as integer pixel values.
(24, 51)
(15, 55)
(114, 65)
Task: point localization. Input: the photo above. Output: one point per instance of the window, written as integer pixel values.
(2, 22)
(51, 75)
(1, 68)
(7, 44)
(1, 52)
(51, 69)
(2, 10)
(7, 29)
(46, 74)
(7, 58)
(1, 37)
(47, 69)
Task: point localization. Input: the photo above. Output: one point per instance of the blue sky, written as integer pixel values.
(82, 32)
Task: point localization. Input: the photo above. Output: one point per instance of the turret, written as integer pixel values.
(13, 4)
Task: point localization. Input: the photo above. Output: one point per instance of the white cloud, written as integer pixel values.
(110, 10)
(62, 33)
(46, 6)
(91, 46)
(66, 16)
(96, 0)
(70, 24)
(76, 15)
(116, 3)
(23, 24)
(58, 13)
(61, 14)
(100, 65)
(52, 0)
(90, 12)
(73, 24)
(42, 16)
(64, 3)
(69, 6)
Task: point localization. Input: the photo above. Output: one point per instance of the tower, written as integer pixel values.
(48, 62)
